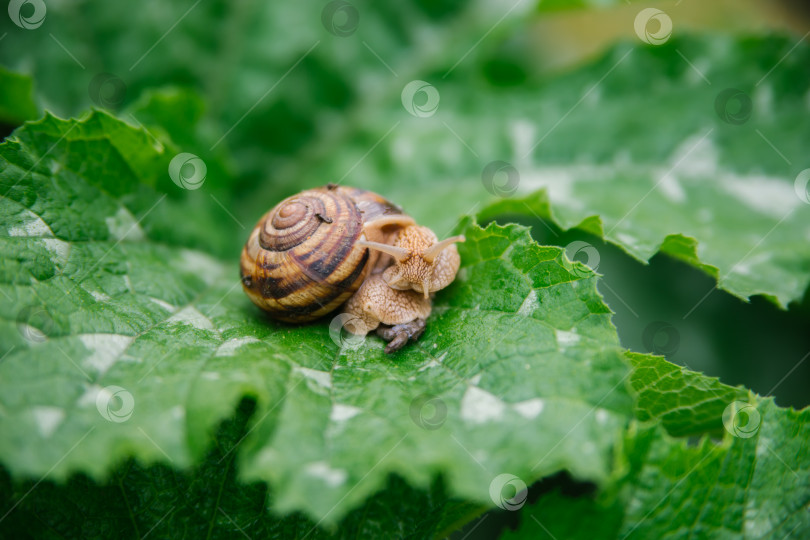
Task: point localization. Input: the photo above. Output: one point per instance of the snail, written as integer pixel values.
(315, 250)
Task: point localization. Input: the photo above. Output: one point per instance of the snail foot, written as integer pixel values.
(398, 335)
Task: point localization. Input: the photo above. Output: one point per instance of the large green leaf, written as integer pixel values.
(120, 341)
(685, 402)
(629, 147)
(273, 75)
(206, 501)
(754, 483)
(749, 487)
(645, 145)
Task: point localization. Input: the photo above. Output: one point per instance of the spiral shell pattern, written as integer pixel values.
(300, 261)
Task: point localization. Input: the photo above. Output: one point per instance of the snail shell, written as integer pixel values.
(302, 260)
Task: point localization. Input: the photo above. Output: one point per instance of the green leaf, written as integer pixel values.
(685, 402)
(751, 484)
(16, 98)
(122, 345)
(263, 68)
(749, 487)
(207, 500)
(168, 503)
(629, 147)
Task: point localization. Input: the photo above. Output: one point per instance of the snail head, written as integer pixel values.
(421, 262)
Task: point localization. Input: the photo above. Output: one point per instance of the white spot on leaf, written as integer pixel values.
(31, 226)
(559, 182)
(529, 304)
(322, 470)
(529, 408)
(322, 379)
(431, 364)
(89, 396)
(99, 296)
(104, 349)
(203, 266)
(59, 249)
(165, 305)
(695, 156)
(671, 188)
(48, 419)
(524, 135)
(341, 413)
(123, 226)
(479, 406)
(770, 196)
(565, 339)
(191, 316)
(229, 347)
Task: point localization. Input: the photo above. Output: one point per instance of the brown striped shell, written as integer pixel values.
(301, 260)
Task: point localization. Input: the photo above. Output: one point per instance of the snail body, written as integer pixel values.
(315, 250)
